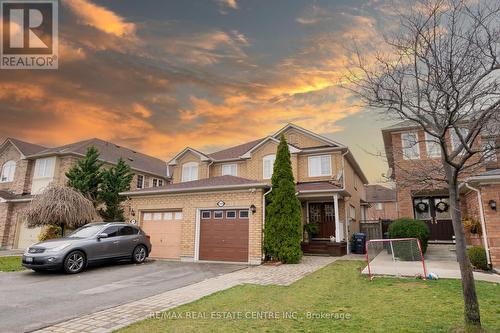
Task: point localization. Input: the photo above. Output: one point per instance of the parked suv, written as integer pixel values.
(90, 243)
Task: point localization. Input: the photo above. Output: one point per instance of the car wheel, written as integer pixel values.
(139, 255)
(74, 262)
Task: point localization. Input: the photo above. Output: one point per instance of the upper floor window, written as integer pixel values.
(45, 167)
(157, 182)
(140, 181)
(490, 151)
(230, 169)
(8, 170)
(409, 141)
(432, 146)
(189, 171)
(320, 166)
(455, 140)
(267, 166)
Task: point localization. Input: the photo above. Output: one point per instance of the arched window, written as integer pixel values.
(267, 166)
(189, 171)
(8, 170)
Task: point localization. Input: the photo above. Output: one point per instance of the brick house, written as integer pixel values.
(410, 152)
(26, 168)
(382, 202)
(214, 209)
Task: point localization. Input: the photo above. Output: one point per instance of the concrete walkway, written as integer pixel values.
(10, 253)
(126, 314)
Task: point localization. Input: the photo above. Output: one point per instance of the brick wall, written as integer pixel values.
(389, 211)
(10, 232)
(492, 221)
(189, 202)
(10, 153)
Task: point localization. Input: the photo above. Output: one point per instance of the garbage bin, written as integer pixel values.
(359, 242)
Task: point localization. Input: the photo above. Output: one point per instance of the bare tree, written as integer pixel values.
(442, 74)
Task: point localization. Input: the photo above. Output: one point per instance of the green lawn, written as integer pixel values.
(383, 305)
(10, 264)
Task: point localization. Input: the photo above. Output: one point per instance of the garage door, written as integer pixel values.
(27, 236)
(224, 235)
(164, 228)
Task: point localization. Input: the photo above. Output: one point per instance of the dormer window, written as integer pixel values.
(189, 171)
(267, 166)
(8, 170)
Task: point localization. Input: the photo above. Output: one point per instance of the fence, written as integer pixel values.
(372, 229)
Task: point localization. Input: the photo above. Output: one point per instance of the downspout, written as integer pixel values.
(483, 224)
(264, 218)
(346, 226)
(208, 168)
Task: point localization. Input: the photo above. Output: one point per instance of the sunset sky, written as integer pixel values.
(157, 76)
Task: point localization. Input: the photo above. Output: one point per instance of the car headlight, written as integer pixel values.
(58, 248)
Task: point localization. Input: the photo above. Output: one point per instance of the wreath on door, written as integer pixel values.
(442, 207)
(421, 207)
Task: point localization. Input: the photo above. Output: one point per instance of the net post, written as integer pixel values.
(368, 261)
(422, 257)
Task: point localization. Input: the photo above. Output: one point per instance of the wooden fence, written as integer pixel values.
(372, 229)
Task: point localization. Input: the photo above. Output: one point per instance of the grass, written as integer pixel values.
(10, 264)
(383, 305)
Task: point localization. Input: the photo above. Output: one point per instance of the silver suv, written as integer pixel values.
(90, 243)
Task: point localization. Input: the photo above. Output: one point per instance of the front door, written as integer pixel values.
(435, 212)
(323, 214)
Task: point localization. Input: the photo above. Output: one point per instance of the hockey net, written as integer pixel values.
(397, 257)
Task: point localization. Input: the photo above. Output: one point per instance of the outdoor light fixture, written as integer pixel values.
(493, 204)
(132, 212)
(253, 209)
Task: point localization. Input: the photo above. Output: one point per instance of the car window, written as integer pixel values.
(127, 231)
(85, 231)
(112, 231)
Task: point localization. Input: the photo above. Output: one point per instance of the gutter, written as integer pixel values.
(483, 224)
(194, 189)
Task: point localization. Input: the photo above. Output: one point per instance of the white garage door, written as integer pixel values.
(27, 236)
(164, 229)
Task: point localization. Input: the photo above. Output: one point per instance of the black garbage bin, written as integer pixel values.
(359, 242)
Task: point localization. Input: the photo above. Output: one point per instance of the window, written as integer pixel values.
(178, 215)
(379, 206)
(218, 215)
(206, 214)
(8, 170)
(157, 182)
(190, 171)
(432, 146)
(140, 181)
(455, 140)
(44, 167)
(352, 212)
(127, 231)
(231, 214)
(230, 169)
(112, 231)
(148, 216)
(157, 216)
(243, 214)
(411, 151)
(489, 151)
(268, 165)
(168, 216)
(320, 166)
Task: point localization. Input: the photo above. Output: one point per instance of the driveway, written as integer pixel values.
(34, 300)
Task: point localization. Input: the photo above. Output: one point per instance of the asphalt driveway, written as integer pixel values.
(32, 300)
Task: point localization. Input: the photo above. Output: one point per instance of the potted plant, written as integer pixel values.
(471, 226)
(310, 229)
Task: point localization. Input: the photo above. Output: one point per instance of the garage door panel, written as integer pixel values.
(224, 239)
(165, 235)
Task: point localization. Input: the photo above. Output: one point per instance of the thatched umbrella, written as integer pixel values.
(62, 206)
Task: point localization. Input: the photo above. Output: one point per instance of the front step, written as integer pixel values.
(326, 248)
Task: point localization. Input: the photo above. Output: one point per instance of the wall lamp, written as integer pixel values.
(253, 209)
(493, 204)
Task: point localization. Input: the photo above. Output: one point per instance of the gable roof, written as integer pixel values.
(379, 193)
(110, 153)
(327, 141)
(247, 154)
(234, 152)
(207, 184)
(25, 148)
(202, 156)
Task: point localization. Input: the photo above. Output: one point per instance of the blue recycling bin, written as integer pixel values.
(359, 242)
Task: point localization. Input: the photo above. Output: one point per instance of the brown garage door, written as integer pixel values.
(164, 228)
(224, 235)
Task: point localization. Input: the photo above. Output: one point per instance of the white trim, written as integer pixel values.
(244, 210)
(2, 200)
(197, 236)
(337, 217)
(12, 143)
(311, 134)
(202, 156)
(196, 189)
(235, 214)
(229, 165)
(137, 180)
(270, 157)
(218, 218)
(190, 165)
(309, 165)
(248, 154)
(209, 215)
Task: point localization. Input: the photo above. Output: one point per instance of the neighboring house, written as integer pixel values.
(410, 152)
(214, 209)
(382, 202)
(28, 168)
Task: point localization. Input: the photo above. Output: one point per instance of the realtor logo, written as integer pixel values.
(29, 33)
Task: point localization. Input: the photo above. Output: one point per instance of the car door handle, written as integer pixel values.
(136, 240)
(116, 242)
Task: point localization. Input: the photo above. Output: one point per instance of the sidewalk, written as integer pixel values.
(10, 253)
(114, 318)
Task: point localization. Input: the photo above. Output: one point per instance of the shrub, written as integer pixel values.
(409, 228)
(477, 257)
(50, 232)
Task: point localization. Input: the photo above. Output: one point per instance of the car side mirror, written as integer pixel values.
(103, 235)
